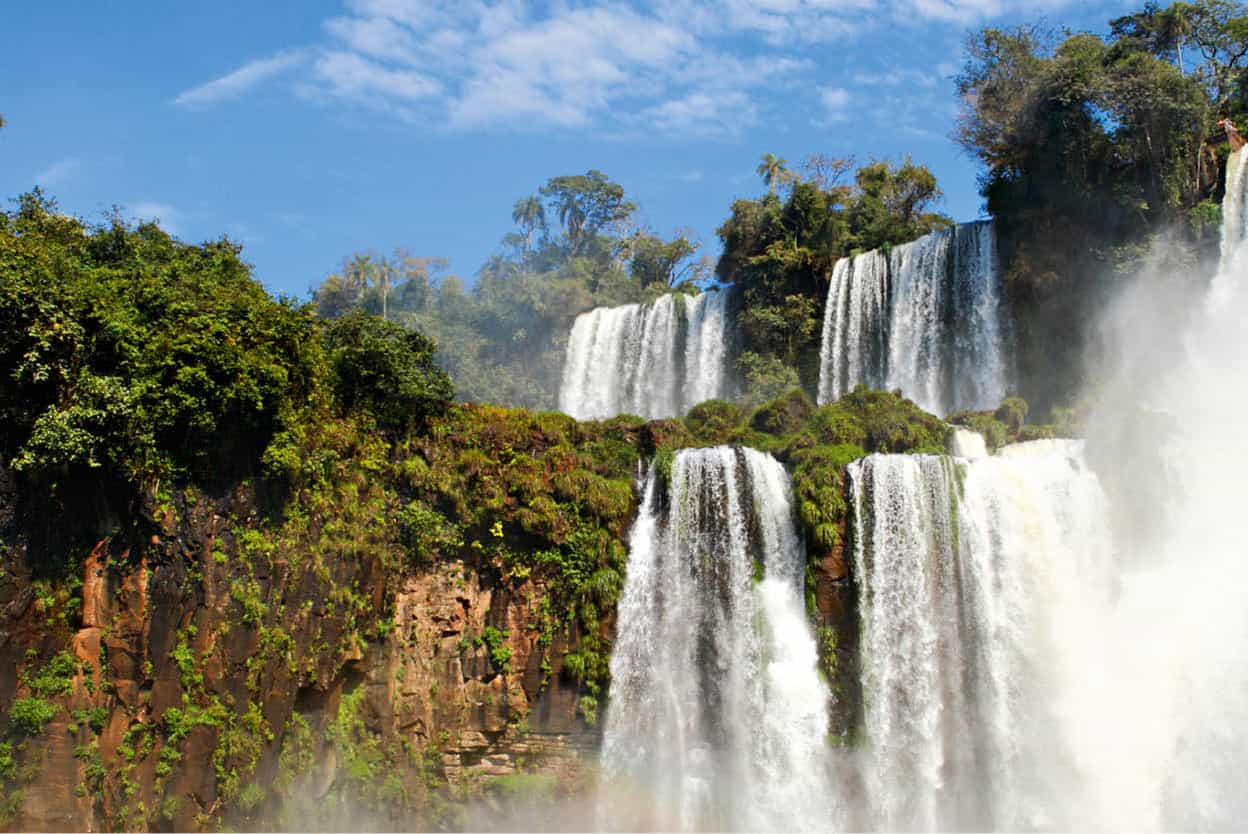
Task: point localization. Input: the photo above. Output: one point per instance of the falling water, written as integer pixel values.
(925, 319)
(718, 716)
(972, 574)
(964, 443)
(855, 325)
(1233, 219)
(1021, 668)
(655, 360)
(1178, 663)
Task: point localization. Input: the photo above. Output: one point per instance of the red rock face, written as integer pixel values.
(422, 686)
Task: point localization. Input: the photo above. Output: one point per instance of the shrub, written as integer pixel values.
(386, 369)
(1012, 412)
(783, 415)
(714, 420)
(30, 716)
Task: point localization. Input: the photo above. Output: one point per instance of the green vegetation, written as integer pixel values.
(1092, 148)
(128, 352)
(780, 250)
(30, 716)
(502, 342)
(276, 473)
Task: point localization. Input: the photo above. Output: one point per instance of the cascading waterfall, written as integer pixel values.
(718, 716)
(925, 319)
(854, 348)
(1233, 219)
(1019, 669)
(654, 360)
(973, 574)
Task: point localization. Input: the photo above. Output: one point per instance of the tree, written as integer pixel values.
(586, 205)
(892, 204)
(655, 261)
(1219, 30)
(826, 171)
(773, 171)
(1156, 30)
(530, 215)
(387, 370)
(126, 354)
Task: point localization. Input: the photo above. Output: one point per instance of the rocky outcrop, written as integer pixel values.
(197, 679)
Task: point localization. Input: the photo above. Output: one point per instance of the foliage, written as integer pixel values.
(500, 652)
(503, 341)
(123, 349)
(385, 369)
(781, 248)
(783, 415)
(714, 421)
(995, 433)
(56, 677)
(1013, 413)
(1092, 147)
(30, 716)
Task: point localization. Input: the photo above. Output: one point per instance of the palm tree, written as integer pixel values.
(572, 215)
(1172, 26)
(529, 214)
(773, 171)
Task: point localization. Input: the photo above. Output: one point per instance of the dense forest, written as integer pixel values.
(266, 563)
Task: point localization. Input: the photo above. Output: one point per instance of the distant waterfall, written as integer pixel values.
(925, 319)
(718, 716)
(1233, 218)
(654, 360)
(973, 576)
(855, 326)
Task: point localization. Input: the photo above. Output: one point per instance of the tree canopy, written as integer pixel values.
(1091, 146)
(124, 350)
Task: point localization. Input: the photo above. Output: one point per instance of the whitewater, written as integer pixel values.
(654, 360)
(1053, 636)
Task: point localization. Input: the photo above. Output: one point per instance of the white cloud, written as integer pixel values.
(898, 77)
(834, 103)
(569, 67)
(622, 67)
(166, 215)
(701, 114)
(58, 172)
(234, 84)
(376, 37)
(347, 75)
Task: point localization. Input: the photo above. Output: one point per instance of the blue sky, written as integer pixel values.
(309, 130)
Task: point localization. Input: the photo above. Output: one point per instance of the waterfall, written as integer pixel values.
(1233, 219)
(925, 319)
(854, 345)
(973, 576)
(964, 443)
(718, 716)
(654, 360)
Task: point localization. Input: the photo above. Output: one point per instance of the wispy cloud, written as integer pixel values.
(349, 77)
(898, 77)
(834, 105)
(58, 173)
(691, 68)
(166, 215)
(234, 84)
